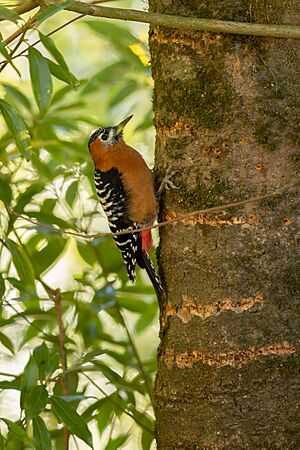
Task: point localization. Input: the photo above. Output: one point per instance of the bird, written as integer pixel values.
(125, 187)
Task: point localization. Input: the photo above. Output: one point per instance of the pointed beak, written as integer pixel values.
(120, 127)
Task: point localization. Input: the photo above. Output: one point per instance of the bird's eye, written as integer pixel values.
(104, 136)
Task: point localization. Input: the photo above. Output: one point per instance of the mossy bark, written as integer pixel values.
(227, 116)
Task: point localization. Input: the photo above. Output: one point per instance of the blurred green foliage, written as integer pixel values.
(46, 192)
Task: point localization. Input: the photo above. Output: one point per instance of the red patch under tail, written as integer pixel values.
(146, 240)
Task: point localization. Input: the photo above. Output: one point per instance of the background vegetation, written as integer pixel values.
(78, 343)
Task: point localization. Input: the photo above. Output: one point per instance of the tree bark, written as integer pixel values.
(227, 116)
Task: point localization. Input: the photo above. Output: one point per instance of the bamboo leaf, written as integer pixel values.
(71, 193)
(60, 74)
(40, 79)
(18, 432)
(2, 286)
(2, 442)
(73, 421)
(30, 375)
(22, 262)
(5, 189)
(26, 196)
(116, 443)
(7, 56)
(41, 436)
(35, 401)
(146, 440)
(8, 14)
(53, 50)
(14, 384)
(6, 342)
(43, 15)
(17, 95)
(17, 127)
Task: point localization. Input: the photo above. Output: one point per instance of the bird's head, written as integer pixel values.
(108, 136)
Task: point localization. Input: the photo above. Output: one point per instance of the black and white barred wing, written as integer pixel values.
(112, 196)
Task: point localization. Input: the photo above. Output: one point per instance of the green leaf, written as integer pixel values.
(53, 50)
(124, 92)
(143, 419)
(3, 49)
(116, 379)
(146, 440)
(46, 361)
(17, 128)
(87, 253)
(71, 193)
(106, 412)
(41, 354)
(116, 443)
(30, 375)
(25, 197)
(120, 38)
(2, 286)
(73, 421)
(2, 442)
(107, 76)
(61, 93)
(5, 189)
(53, 364)
(43, 15)
(7, 56)
(41, 436)
(22, 263)
(17, 95)
(14, 384)
(35, 401)
(40, 79)
(6, 342)
(13, 443)
(18, 432)
(60, 74)
(33, 330)
(8, 14)
(146, 318)
(46, 258)
(132, 304)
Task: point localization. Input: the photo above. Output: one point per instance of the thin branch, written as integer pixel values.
(4, 374)
(56, 297)
(187, 23)
(8, 61)
(22, 30)
(4, 63)
(21, 314)
(177, 219)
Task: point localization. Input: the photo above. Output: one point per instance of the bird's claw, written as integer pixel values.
(166, 182)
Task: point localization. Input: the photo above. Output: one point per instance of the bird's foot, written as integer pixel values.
(166, 182)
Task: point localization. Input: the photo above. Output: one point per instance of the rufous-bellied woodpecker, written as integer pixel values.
(125, 187)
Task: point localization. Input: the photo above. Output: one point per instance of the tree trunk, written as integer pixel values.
(227, 116)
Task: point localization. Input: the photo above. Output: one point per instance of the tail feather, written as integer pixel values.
(144, 261)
